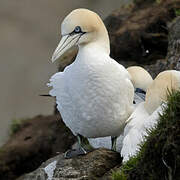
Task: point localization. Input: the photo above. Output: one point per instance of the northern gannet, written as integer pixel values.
(141, 80)
(94, 94)
(140, 77)
(146, 114)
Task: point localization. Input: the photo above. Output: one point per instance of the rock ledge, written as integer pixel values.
(91, 166)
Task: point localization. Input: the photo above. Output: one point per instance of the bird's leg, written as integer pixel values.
(84, 148)
(84, 144)
(113, 143)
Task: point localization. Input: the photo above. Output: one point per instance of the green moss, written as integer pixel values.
(119, 175)
(122, 174)
(16, 125)
(159, 155)
(158, 1)
(1, 150)
(177, 12)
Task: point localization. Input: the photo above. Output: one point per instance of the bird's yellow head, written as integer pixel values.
(81, 27)
(140, 77)
(158, 90)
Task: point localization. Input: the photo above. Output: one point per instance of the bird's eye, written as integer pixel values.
(77, 29)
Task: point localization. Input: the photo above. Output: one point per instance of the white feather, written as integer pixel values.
(94, 94)
(136, 129)
(105, 142)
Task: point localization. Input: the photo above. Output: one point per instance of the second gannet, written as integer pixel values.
(147, 113)
(141, 80)
(94, 94)
(140, 77)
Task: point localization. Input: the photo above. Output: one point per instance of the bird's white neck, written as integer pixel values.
(95, 47)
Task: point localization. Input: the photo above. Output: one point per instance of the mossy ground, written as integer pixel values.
(159, 156)
(16, 125)
(177, 12)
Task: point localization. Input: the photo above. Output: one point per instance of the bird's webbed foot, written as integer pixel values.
(73, 153)
(84, 148)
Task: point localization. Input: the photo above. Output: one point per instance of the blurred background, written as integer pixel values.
(29, 33)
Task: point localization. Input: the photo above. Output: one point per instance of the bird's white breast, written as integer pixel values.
(94, 95)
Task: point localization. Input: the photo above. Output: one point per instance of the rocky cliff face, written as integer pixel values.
(92, 166)
(35, 141)
(143, 33)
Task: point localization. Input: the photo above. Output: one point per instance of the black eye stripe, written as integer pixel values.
(77, 30)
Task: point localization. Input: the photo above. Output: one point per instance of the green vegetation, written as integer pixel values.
(159, 156)
(116, 175)
(177, 12)
(158, 1)
(16, 125)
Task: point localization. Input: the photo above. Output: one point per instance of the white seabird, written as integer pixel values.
(141, 80)
(147, 113)
(140, 77)
(94, 94)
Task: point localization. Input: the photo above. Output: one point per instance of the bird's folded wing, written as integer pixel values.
(59, 89)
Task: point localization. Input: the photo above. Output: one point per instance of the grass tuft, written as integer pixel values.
(118, 175)
(16, 125)
(177, 12)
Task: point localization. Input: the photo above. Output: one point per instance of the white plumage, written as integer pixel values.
(136, 129)
(141, 79)
(94, 94)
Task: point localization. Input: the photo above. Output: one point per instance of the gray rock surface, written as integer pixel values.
(91, 166)
(173, 56)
